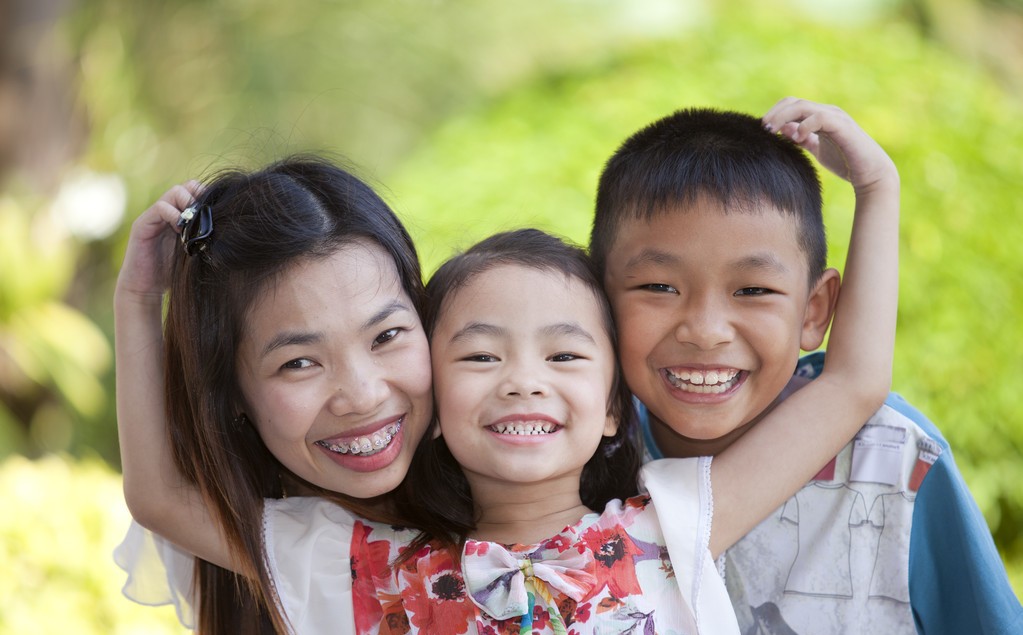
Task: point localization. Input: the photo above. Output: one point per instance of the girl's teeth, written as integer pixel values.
(520, 428)
(365, 445)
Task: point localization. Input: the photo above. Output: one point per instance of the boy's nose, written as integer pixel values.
(704, 324)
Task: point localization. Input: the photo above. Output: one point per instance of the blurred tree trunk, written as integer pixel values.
(41, 128)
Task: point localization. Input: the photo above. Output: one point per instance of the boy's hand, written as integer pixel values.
(145, 272)
(839, 144)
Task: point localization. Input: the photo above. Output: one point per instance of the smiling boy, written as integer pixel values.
(709, 234)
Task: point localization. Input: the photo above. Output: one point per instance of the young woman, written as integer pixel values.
(292, 331)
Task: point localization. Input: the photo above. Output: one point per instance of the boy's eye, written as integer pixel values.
(660, 287)
(563, 357)
(385, 337)
(753, 291)
(297, 364)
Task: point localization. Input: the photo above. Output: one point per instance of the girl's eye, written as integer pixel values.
(386, 336)
(297, 364)
(480, 357)
(563, 357)
(659, 287)
(753, 291)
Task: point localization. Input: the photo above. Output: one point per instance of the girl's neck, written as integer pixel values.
(525, 513)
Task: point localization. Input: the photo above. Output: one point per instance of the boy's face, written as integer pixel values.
(712, 310)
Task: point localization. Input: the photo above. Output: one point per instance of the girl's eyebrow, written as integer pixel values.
(569, 329)
(477, 328)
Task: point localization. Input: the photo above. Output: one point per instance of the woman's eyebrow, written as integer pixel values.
(291, 338)
(387, 311)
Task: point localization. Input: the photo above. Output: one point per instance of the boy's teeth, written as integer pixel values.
(365, 445)
(704, 381)
(523, 428)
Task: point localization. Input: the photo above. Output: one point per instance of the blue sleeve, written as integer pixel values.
(957, 582)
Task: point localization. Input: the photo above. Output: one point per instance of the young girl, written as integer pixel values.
(524, 370)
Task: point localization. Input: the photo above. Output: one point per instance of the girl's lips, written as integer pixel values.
(525, 425)
(526, 417)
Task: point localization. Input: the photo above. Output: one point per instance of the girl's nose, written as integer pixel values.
(523, 380)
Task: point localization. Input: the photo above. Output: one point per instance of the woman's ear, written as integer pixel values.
(434, 431)
(610, 426)
(820, 308)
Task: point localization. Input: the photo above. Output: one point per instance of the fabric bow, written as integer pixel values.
(502, 584)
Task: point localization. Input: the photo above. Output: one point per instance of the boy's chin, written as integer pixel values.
(685, 439)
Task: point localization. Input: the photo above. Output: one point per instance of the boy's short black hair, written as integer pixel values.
(668, 165)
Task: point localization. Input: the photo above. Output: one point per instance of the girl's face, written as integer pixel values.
(335, 368)
(523, 367)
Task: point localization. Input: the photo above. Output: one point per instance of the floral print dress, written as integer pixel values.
(608, 573)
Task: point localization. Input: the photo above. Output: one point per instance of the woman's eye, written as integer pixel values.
(659, 287)
(386, 336)
(563, 357)
(753, 291)
(297, 364)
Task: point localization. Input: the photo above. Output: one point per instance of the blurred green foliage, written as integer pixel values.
(481, 116)
(55, 552)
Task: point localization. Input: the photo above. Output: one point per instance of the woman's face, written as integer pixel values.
(335, 369)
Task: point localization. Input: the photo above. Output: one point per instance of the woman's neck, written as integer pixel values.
(525, 513)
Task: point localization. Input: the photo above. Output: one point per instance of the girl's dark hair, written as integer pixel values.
(435, 490)
(262, 223)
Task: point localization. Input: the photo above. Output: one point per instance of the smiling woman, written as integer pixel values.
(295, 362)
(333, 363)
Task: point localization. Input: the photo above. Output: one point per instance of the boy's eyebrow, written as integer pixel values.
(758, 261)
(651, 256)
(761, 261)
(290, 338)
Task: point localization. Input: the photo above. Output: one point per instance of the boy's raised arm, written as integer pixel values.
(157, 495)
(779, 455)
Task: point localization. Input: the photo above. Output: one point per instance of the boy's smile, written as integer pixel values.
(713, 307)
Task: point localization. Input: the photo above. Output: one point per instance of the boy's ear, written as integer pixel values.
(820, 307)
(434, 430)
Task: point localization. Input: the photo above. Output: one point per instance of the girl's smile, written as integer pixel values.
(523, 367)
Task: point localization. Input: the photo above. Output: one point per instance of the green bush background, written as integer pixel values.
(475, 117)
